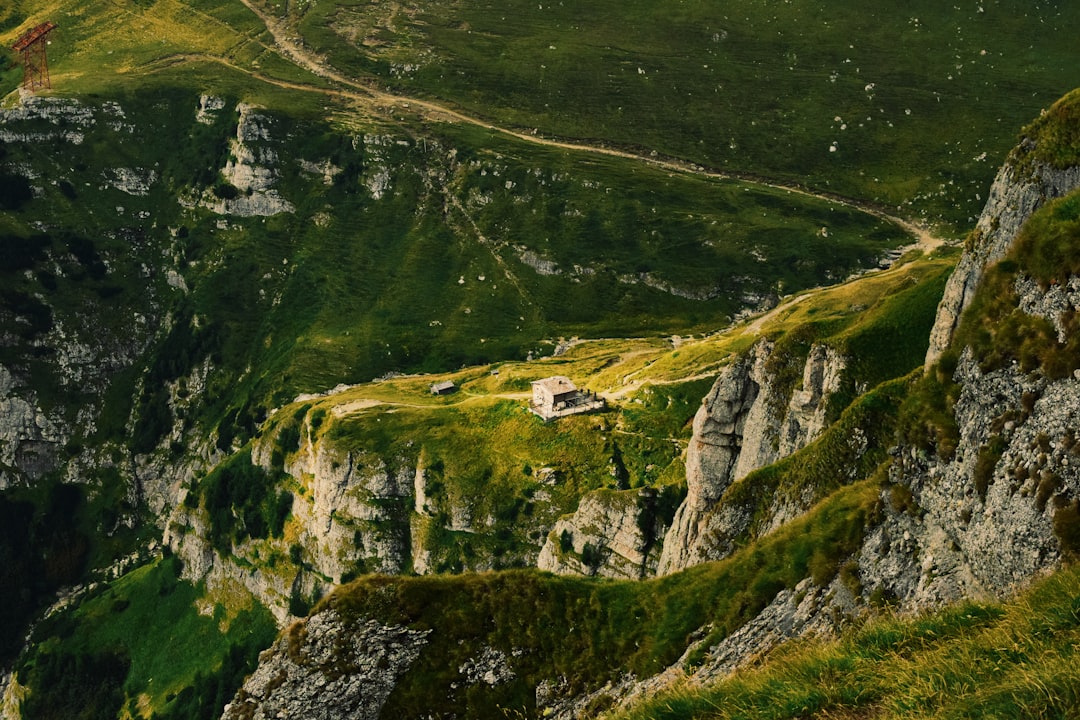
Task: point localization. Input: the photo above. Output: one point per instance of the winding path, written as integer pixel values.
(290, 49)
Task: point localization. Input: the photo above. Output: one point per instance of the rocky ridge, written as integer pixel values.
(1017, 192)
(748, 420)
(325, 658)
(78, 351)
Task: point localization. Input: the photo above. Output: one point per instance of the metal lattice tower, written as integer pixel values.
(35, 62)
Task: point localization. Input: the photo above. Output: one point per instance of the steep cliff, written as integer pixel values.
(611, 534)
(1039, 169)
(752, 417)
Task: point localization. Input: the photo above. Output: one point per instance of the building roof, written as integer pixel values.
(445, 385)
(556, 385)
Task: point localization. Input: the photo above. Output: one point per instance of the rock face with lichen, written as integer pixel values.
(612, 534)
(991, 514)
(325, 668)
(29, 440)
(356, 512)
(251, 170)
(748, 420)
(1021, 187)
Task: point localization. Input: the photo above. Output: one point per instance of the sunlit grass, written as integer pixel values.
(972, 660)
(913, 107)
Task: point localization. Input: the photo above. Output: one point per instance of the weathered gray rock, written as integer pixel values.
(805, 418)
(251, 169)
(133, 181)
(711, 458)
(377, 177)
(70, 118)
(29, 440)
(747, 421)
(324, 668)
(1052, 303)
(356, 513)
(208, 108)
(1014, 196)
(491, 667)
(605, 537)
(975, 531)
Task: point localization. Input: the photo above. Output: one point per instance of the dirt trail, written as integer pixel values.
(305, 58)
(378, 100)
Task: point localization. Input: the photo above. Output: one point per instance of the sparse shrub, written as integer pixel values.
(566, 541)
(849, 576)
(1067, 528)
(15, 191)
(288, 439)
(226, 191)
(902, 500)
(281, 512)
(985, 463)
(881, 597)
(298, 605)
(591, 556)
(239, 498)
(1049, 482)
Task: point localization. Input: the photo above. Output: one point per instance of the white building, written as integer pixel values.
(556, 396)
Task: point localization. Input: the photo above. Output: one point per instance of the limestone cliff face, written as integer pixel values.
(352, 512)
(984, 520)
(1017, 192)
(60, 366)
(356, 513)
(29, 439)
(327, 668)
(612, 534)
(747, 421)
(251, 169)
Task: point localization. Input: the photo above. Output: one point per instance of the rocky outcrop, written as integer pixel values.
(355, 665)
(986, 519)
(713, 453)
(356, 513)
(352, 513)
(612, 534)
(69, 118)
(748, 420)
(29, 440)
(1053, 303)
(251, 170)
(1017, 192)
(377, 177)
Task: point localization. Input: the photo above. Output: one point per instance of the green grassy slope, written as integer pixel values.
(476, 247)
(1013, 660)
(105, 659)
(920, 100)
(479, 445)
(371, 285)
